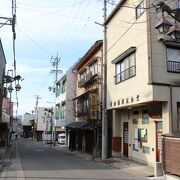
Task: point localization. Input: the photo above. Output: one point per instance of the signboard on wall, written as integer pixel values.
(136, 144)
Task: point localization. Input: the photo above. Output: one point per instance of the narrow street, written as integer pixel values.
(34, 160)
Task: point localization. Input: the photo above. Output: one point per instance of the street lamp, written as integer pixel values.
(9, 80)
(164, 26)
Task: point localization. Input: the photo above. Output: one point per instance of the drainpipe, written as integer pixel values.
(171, 111)
(149, 45)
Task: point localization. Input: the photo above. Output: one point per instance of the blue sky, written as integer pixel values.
(45, 28)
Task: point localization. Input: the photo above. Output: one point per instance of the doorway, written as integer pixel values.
(125, 139)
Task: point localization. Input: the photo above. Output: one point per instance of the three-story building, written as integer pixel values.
(142, 80)
(65, 110)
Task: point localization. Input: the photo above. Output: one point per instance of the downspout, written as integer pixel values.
(171, 111)
(149, 45)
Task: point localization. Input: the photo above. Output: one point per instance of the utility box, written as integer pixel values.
(158, 169)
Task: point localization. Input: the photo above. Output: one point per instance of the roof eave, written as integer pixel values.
(113, 13)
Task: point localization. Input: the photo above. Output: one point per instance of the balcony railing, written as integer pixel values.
(173, 66)
(87, 79)
(126, 74)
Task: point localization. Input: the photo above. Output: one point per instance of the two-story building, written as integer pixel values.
(143, 81)
(85, 132)
(65, 110)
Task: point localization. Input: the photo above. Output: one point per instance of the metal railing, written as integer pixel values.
(126, 74)
(173, 66)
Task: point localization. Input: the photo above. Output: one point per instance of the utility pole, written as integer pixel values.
(36, 112)
(104, 115)
(104, 107)
(55, 64)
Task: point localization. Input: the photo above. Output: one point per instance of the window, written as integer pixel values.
(145, 117)
(93, 69)
(63, 87)
(173, 60)
(83, 76)
(146, 150)
(140, 9)
(125, 69)
(82, 105)
(178, 4)
(142, 135)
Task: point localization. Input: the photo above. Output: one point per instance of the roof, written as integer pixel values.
(94, 48)
(116, 9)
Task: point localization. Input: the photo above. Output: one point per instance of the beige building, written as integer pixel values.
(143, 80)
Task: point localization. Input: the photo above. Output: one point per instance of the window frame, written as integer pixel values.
(127, 69)
(172, 68)
(93, 68)
(139, 10)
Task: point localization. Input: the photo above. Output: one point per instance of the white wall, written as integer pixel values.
(26, 119)
(118, 42)
(41, 118)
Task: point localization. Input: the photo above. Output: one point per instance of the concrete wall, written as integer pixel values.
(70, 95)
(41, 119)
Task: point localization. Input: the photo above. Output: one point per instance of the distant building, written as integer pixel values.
(27, 124)
(43, 122)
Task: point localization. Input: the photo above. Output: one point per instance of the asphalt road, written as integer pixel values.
(34, 160)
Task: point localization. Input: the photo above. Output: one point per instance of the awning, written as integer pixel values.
(79, 125)
(88, 126)
(124, 55)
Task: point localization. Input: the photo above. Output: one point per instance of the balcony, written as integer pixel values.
(87, 80)
(173, 66)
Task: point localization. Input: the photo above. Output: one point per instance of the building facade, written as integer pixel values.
(85, 132)
(143, 81)
(3, 117)
(65, 110)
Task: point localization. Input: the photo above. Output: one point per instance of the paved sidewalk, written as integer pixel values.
(123, 164)
(4, 158)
